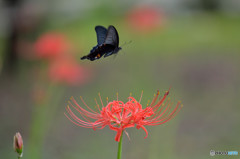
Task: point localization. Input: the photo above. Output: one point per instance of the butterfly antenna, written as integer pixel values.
(123, 51)
(126, 43)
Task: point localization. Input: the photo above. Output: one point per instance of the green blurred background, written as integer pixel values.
(191, 46)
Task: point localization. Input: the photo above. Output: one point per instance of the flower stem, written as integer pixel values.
(120, 147)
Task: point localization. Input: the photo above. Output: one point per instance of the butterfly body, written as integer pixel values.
(108, 43)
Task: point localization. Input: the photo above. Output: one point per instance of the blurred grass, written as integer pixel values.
(179, 35)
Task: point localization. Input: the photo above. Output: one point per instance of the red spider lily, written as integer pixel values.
(67, 70)
(145, 18)
(51, 45)
(119, 116)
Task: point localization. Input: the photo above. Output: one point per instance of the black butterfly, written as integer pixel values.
(108, 42)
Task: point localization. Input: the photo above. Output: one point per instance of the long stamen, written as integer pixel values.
(79, 108)
(169, 117)
(141, 97)
(162, 100)
(84, 115)
(84, 104)
(127, 134)
(88, 124)
(154, 99)
(100, 99)
(177, 110)
(97, 104)
(157, 115)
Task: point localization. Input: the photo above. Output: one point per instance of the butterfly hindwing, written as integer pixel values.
(94, 54)
(112, 39)
(101, 34)
(108, 54)
(112, 36)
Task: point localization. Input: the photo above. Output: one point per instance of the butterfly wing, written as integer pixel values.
(112, 39)
(94, 54)
(108, 42)
(112, 36)
(101, 34)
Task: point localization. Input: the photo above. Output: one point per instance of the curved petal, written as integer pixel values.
(140, 126)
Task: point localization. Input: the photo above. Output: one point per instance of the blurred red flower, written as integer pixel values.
(51, 45)
(67, 70)
(145, 18)
(119, 116)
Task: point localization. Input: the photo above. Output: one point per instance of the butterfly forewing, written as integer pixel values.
(101, 34)
(112, 36)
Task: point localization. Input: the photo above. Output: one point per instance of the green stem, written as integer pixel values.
(120, 148)
(41, 120)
